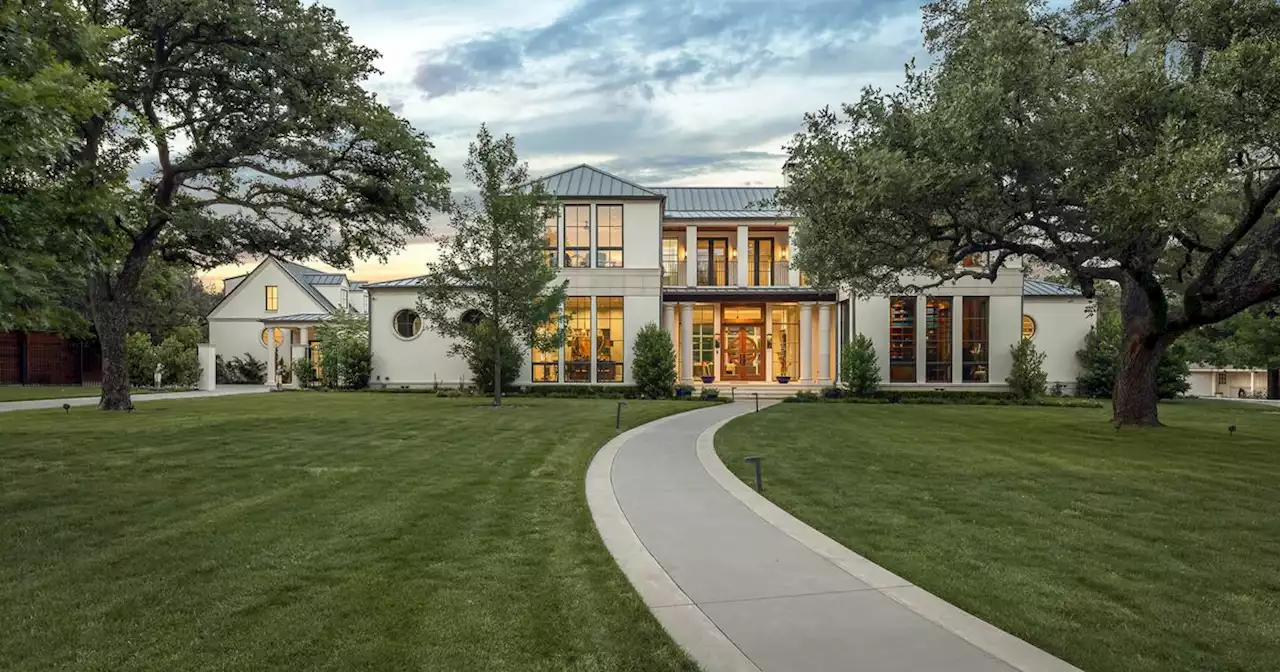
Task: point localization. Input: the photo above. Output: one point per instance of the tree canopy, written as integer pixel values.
(1132, 141)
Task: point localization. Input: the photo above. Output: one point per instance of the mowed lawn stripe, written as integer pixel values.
(320, 531)
(1137, 550)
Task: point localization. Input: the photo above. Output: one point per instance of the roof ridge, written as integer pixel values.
(601, 171)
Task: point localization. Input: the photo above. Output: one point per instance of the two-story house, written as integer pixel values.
(712, 266)
(278, 305)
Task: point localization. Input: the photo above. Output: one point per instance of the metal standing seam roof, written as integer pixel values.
(591, 182)
(298, 317)
(415, 281)
(300, 273)
(324, 278)
(719, 202)
(1033, 287)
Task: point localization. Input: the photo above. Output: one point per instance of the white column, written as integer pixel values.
(921, 338)
(208, 359)
(691, 257)
(824, 343)
(806, 342)
(686, 342)
(743, 243)
(768, 333)
(271, 357)
(793, 274)
(286, 352)
(594, 331)
(669, 323)
(299, 351)
(1250, 382)
(717, 330)
(957, 339)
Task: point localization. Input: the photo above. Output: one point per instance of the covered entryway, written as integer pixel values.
(742, 343)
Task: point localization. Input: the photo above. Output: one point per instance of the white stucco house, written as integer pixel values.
(711, 266)
(276, 306)
(1227, 381)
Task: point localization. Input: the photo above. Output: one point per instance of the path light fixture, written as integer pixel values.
(67, 408)
(755, 459)
(617, 423)
(757, 396)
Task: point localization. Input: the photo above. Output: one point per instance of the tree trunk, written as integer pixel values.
(109, 319)
(497, 372)
(1135, 397)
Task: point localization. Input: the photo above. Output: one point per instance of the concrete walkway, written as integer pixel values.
(742, 585)
(222, 391)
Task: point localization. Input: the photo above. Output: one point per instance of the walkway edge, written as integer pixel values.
(994, 641)
(683, 620)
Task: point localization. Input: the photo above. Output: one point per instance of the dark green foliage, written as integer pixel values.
(859, 368)
(245, 370)
(943, 398)
(1100, 360)
(708, 394)
(654, 362)
(478, 351)
(1027, 378)
(176, 354)
(345, 360)
(304, 372)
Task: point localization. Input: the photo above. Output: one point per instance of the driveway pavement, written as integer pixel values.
(222, 391)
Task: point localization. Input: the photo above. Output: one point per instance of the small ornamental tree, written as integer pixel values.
(345, 359)
(495, 262)
(859, 367)
(478, 352)
(653, 363)
(1027, 378)
(1134, 142)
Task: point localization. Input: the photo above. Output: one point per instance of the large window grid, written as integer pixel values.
(938, 331)
(671, 265)
(577, 236)
(578, 340)
(760, 262)
(610, 346)
(786, 340)
(704, 340)
(546, 363)
(975, 337)
(713, 262)
(609, 236)
(902, 339)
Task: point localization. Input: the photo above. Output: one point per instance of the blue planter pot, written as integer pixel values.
(784, 379)
(707, 380)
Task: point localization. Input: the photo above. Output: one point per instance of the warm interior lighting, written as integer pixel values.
(782, 254)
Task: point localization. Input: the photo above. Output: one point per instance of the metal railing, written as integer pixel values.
(724, 273)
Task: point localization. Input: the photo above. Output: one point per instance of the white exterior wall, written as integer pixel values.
(235, 325)
(332, 292)
(417, 362)
(1061, 326)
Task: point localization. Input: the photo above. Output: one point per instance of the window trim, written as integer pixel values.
(590, 307)
(395, 326)
(565, 233)
(621, 338)
(270, 297)
(621, 232)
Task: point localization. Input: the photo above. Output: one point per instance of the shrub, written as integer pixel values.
(478, 351)
(180, 360)
(859, 368)
(654, 362)
(246, 371)
(805, 397)
(345, 360)
(1027, 379)
(1100, 363)
(709, 395)
(140, 359)
(684, 391)
(832, 392)
(304, 371)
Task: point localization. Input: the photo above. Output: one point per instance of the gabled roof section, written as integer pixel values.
(299, 273)
(720, 202)
(298, 317)
(584, 181)
(324, 278)
(1033, 287)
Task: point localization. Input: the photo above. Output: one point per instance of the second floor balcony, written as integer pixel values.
(724, 273)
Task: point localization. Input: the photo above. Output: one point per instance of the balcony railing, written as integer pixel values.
(776, 274)
(724, 273)
(717, 273)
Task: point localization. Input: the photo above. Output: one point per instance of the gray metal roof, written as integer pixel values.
(415, 281)
(591, 182)
(1033, 287)
(300, 273)
(298, 317)
(324, 278)
(719, 202)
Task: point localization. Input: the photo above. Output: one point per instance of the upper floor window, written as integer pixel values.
(346, 298)
(671, 266)
(553, 241)
(407, 324)
(273, 298)
(577, 236)
(609, 236)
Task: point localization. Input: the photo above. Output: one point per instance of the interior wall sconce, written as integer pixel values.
(768, 341)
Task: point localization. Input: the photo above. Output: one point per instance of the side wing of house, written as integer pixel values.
(235, 324)
(1058, 326)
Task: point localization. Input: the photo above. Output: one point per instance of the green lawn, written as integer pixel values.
(318, 531)
(1143, 550)
(17, 393)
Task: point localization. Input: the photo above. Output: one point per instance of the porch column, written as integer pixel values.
(922, 337)
(743, 243)
(793, 274)
(686, 342)
(691, 256)
(669, 323)
(768, 334)
(957, 339)
(824, 343)
(271, 357)
(285, 352)
(1251, 382)
(806, 342)
(208, 358)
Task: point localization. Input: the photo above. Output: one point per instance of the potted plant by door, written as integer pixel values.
(784, 379)
(707, 380)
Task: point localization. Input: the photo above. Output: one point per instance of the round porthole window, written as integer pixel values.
(408, 324)
(472, 317)
(269, 333)
(1028, 327)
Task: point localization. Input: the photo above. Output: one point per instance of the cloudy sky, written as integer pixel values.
(663, 92)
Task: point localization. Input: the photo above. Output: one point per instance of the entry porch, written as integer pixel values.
(726, 343)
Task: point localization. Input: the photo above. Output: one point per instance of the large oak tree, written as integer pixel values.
(1131, 141)
(239, 127)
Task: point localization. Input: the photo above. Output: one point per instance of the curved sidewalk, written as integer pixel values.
(222, 391)
(742, 585)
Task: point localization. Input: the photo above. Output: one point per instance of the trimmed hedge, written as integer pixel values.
(937, 397)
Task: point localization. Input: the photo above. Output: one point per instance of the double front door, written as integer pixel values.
(744, 351)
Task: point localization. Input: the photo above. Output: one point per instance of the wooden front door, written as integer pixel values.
(743, 352)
